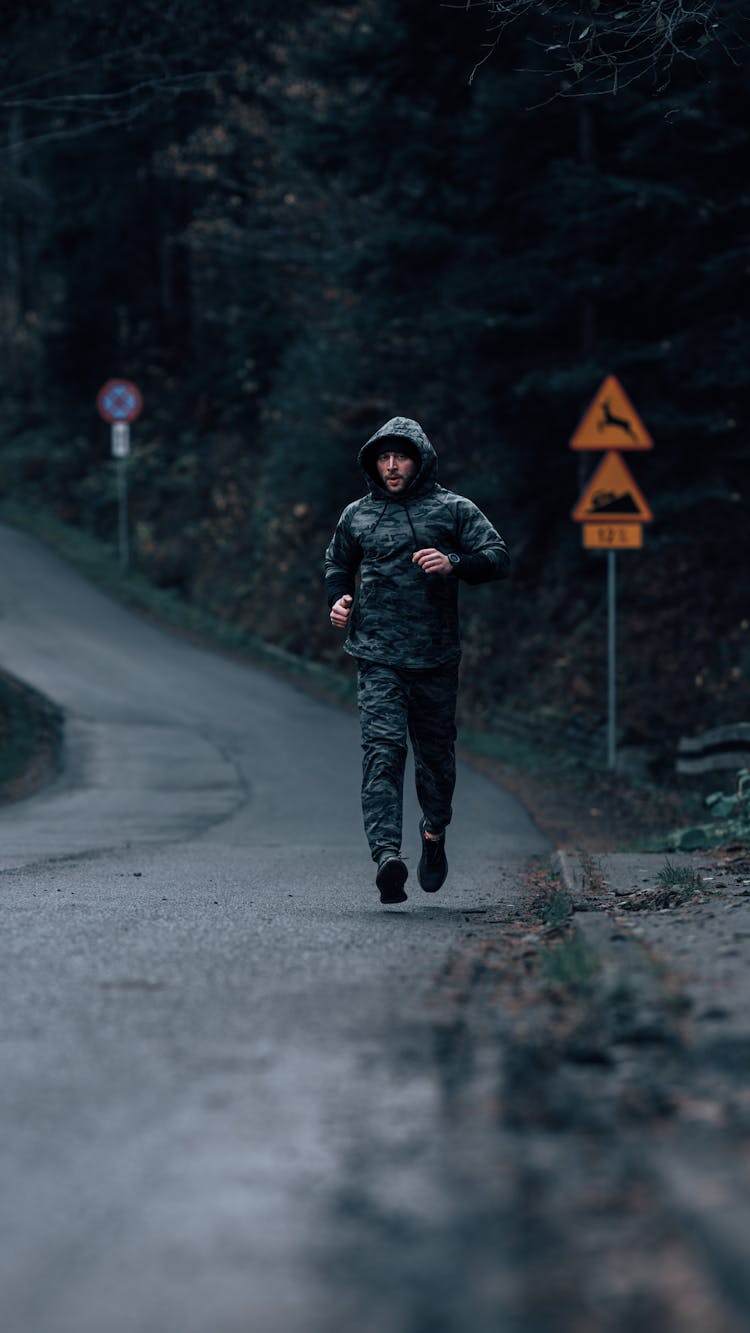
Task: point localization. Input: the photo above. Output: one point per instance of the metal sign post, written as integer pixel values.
(122, 512)
(611, 660)
(120, 452)
(611, 509)
(119, 402)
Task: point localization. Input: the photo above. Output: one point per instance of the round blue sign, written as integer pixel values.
(119, 400)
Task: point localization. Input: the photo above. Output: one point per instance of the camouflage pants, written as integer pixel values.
(393, 703)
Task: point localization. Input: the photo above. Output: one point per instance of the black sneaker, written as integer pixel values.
(433, 864)
(391, 878)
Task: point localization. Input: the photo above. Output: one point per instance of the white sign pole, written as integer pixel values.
(120, 451)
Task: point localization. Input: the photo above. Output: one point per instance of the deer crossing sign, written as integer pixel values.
(612, 509)
(611, 422)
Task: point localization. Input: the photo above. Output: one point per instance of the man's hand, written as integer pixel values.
(340, 611)
(432, 561)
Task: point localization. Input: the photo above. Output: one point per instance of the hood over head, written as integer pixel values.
(409, 436)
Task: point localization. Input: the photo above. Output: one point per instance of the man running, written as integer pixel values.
(410, 541)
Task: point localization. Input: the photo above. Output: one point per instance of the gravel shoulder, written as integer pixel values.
(611, 1010)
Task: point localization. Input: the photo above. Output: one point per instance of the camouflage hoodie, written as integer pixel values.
(401, 615)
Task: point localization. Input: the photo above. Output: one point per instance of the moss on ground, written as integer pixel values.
(30, 739)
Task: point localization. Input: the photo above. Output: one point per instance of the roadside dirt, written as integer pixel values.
(616, 1032)
(601, 811)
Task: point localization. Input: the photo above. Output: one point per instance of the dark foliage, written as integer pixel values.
(287, 226)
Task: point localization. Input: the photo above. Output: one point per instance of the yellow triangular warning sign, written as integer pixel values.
(613, 494)
(611, 422)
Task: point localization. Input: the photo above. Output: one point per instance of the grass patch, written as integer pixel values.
(552, 904)
(680, 877)
(558, 909)
(570, 965)
(592, 875)
(676, 886)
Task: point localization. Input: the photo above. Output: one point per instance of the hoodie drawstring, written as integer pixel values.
(411, 525)
(408, 519)
(380, 515)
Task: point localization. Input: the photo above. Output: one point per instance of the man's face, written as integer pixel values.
(395, 469)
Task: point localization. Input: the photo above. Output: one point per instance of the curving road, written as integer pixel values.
(224, 1081)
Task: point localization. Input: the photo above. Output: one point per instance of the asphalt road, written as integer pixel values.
(227, 1086)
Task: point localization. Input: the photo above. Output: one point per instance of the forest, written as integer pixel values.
(288, 223)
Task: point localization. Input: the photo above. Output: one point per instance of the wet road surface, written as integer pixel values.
(232, 1083)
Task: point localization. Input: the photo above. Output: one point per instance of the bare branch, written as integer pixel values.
(598, 46)
(73, 101)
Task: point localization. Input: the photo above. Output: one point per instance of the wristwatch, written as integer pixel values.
(454, 559)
